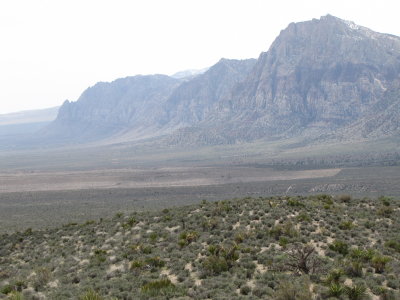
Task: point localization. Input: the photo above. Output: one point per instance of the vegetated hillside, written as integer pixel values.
(315, 247)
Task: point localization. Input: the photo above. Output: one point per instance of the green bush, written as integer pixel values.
(334, 276)
(335, 290)
(393, 245)
(346, 225)
(293, 290)
(90, 295)
(340, 247)
(162, 287)
(15, 296)
(155, 262)
(379, 262)
(187, 237)
(356, 292)
(6, 289)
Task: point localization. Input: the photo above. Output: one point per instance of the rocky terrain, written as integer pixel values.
(322, 78)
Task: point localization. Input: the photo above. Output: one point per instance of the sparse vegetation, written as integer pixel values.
(249, 248)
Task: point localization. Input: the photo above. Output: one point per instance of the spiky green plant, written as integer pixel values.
(90, 295)
(379, 262)
(334, 276)
(335, 290)
(356, 292)
(15, 296)
(162, 287)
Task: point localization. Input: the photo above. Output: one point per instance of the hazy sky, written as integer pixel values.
(51, 50)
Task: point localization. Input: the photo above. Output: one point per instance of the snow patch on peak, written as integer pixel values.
(352, 25)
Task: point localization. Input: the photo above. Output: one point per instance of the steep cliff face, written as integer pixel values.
(193, 100)
(325, 76)
(326, 71)
(115, 107)
(144, 106)
(318, 76)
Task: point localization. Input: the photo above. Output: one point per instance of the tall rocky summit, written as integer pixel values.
(320, 77)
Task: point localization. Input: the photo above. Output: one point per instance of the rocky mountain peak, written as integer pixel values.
(318, 77)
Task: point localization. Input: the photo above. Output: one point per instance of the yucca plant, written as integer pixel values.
(159, 287)
(335, 290)
(379, 263)
(356, 292)
(355, 268)
(334, 276)
(90, 295)
(340, 247)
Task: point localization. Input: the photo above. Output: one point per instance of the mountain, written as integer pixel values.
(321, 78)
(188, 74)
(145, 106)
(110, 108)
(193, 100)
(317, 77)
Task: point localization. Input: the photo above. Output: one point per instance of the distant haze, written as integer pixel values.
(53, 50)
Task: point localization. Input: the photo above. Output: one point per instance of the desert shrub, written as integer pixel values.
(303, 259)
(293, 290)
(286, 229)
(187, 237)
(118, 215)
(130, 222)
(346, 225)
(153, 237)
(303, 217)
(99, 256)
(295, 203)
(7, 289)
(162, 287)
(362, 254)
(340, 247)
(42, 277)
(146, 249)
(393, 245)
(245, 290)
(209, 224)
(283, 242)
(137, 264)
(354, 268)
(221, 259)
(356, 292)
(15, 296)
(334, 276)
(385, 294)
(345, 198)
(90, 295)
(378, 262)
(19, 285)
(335, 290)
(384, 200)
(385, 211)
(239, 237)
(155, 262)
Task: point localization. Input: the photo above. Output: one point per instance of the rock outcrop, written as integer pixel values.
(325, 77)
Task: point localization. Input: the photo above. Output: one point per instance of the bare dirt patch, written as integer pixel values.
(146, 178)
